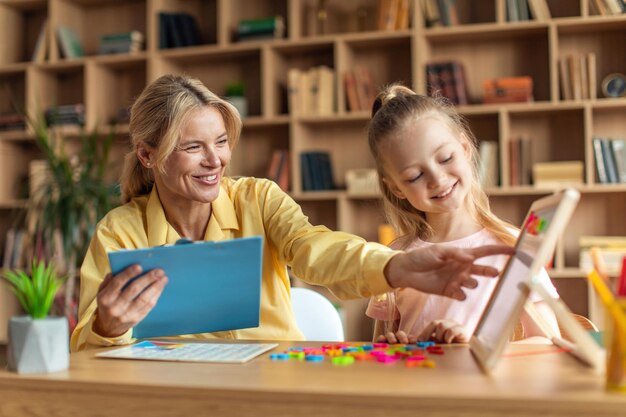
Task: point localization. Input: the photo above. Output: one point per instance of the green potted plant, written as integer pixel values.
(69, 196)
(37, 343)
(236, 95)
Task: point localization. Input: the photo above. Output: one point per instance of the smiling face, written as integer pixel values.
(194, 169)
(429, 165)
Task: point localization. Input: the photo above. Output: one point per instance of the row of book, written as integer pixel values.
(523, 10)
(440, 13)
(67, 114)
(278, 169)
(317, 171)
(610, 158)
(178, 30)
(312, 91)
(272, 27)
(613, 250)
(393, 14)
(12, 121)
(360, 89)
(447, 79)
(607, 7)
(577, 76)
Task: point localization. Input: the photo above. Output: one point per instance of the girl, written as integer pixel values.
(427, 166)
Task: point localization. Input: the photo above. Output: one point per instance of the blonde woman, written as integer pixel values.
(173, 186)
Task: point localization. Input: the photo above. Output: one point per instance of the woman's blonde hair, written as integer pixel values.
(393, 108)
(156, 120)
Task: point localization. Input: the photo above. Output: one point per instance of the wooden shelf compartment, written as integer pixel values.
(216, 70)
(387, 60)
(92, 19)
(341, 17)
(12, 93)
(556, 135)
(205, 13)
(126, 77)
(565, 8)
(282, 58)
(489, 55)
(54, 85)
(346, 141)
(607, 41)
(253, 154)
(238, 10)
(20, 24)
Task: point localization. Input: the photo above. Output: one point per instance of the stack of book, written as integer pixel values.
(69, 114)
(447, 79)
(508, 90)
(278, 169)
(12, 121)
(120, 43)
(393, 14)
(613, 250)
(577, 76)
(178, 30)
(256, 29)
(312, 91)
(360, 89)
(610, 157)
(362, 181)
(317, 171)
(558, 174)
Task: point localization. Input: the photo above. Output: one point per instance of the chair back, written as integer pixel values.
(316, 316)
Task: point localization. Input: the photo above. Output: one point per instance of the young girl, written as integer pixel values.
(427, 166)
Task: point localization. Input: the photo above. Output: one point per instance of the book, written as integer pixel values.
(601, 174)
(618, 150)
(609, 162)
(539, 10)
(352, 96)
(272, 27)
(592, 75)
(69, 43)
(488, 163)
(564, 79)
(41, 47)
(447, 78)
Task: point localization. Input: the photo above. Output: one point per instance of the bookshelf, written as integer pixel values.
(484, 41)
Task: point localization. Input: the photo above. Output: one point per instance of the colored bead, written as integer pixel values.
(279, 356)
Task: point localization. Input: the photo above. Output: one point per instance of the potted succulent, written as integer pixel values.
(236, 95)
(37, 343)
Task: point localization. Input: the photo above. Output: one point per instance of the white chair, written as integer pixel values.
(317, 318)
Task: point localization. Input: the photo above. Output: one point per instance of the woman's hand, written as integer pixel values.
(440, 269)
(443, 331)
(121, 305)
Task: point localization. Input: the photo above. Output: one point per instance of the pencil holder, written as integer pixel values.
(615, 342)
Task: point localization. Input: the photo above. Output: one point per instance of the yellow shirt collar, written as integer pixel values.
(223, 220)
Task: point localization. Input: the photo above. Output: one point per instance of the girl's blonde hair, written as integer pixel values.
(156, 120)
(393, 108)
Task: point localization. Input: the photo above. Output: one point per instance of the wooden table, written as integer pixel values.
(546, 383)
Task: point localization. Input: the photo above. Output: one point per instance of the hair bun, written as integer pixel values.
(389, 93)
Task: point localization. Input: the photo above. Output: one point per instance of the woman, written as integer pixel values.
(173, 186)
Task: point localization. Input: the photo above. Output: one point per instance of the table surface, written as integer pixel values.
(530, 380)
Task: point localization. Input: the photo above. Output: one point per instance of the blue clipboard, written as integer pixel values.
(212, 286)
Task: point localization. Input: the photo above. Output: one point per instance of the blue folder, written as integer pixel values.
(212, 286)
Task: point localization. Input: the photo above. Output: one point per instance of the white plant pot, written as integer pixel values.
(38, 345)
(240, 103)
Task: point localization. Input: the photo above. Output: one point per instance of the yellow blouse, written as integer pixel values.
(346, 264)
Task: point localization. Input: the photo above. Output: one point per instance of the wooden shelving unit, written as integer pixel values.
(487, 45)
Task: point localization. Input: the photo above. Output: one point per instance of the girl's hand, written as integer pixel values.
(121, 305)
(397, 337)
(443, 331)
(441, 270)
